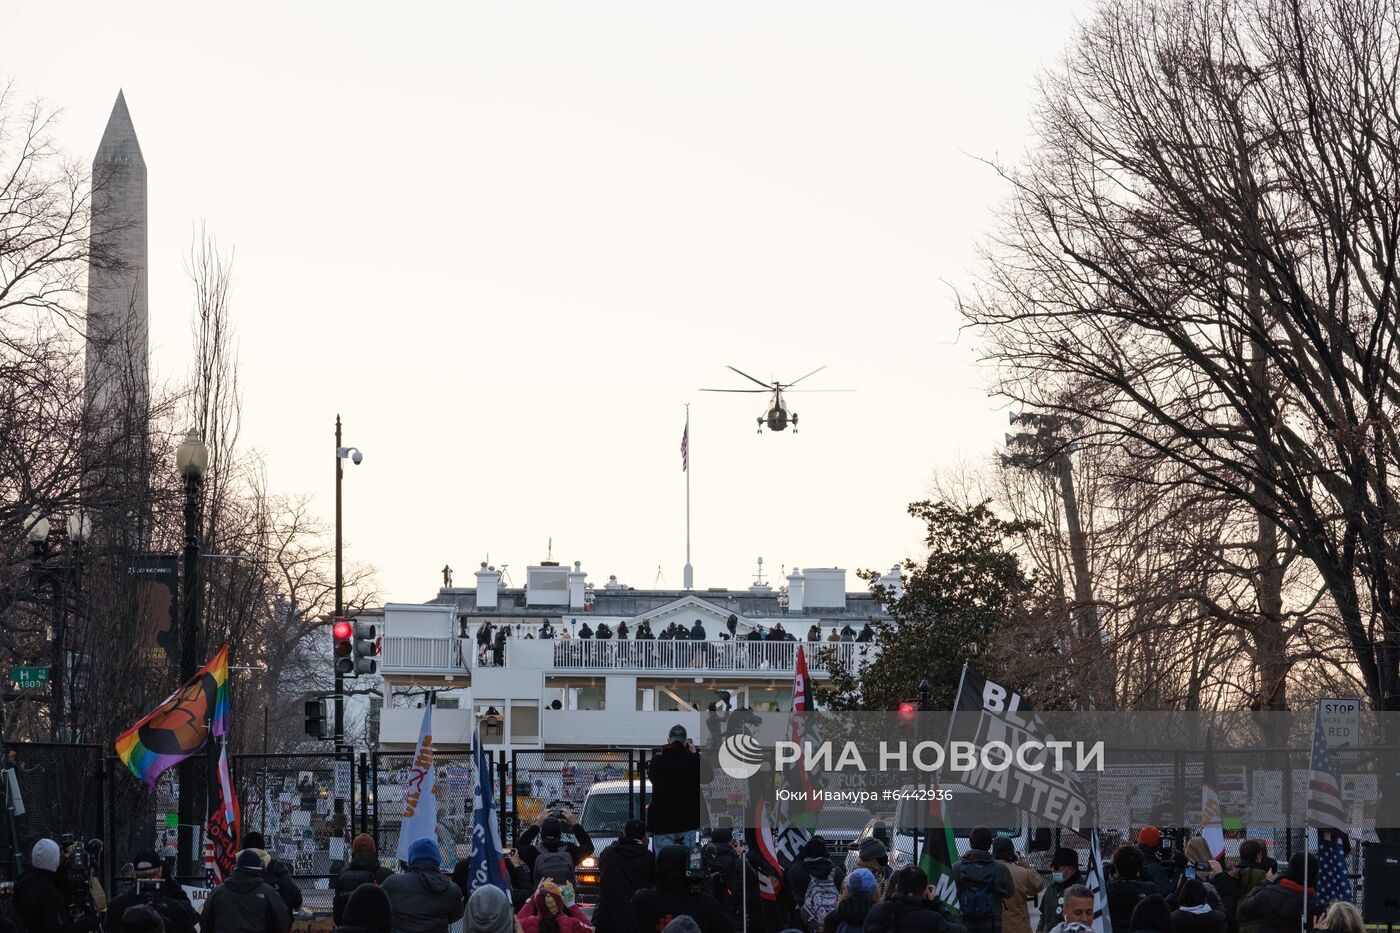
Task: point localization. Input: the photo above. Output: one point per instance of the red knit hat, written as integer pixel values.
(363, 843)
(1149, 836)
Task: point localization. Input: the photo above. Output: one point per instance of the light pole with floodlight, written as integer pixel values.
(191, 459)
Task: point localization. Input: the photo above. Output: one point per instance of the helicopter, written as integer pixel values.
(778, 417)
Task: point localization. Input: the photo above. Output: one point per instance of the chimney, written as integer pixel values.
(577, 592)
(893, 582)
(796, 586)
(488, 587)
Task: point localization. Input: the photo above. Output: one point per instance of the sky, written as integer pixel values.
(509, 241)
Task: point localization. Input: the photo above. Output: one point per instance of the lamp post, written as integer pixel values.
(191, 459)
(56, 572)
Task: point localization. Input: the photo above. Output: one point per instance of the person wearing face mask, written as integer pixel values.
(1065, 874)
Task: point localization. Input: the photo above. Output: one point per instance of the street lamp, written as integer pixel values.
(191, 459)
(353, 454)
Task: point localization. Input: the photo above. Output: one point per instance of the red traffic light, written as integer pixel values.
(906, 711)
(342, 630)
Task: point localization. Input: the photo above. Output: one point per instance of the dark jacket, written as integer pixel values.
(729, 887)
(279, 874)
(677, 804)
(904, 913)
(424, 900)
(1154, 871)
(245, 904)
(657, 906)
(580, 849)
(1278, 907)
(364, 868)
(1123, 898)
(1050, 900)
(522, 885)
(977, 868)
(1185, 921)
(1248, 876)
(800, 874)
(850, 913)
(43, 906)
(170, 902)
(625, 867)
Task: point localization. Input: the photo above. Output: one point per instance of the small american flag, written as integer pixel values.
(685, 447)
(1326, 813)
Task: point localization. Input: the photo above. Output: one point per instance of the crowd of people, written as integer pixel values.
(493, 638)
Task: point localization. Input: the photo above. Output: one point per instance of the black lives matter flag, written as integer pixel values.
(987, 712)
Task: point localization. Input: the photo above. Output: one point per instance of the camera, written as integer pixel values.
(77, 868)
(701, 877)
(1201, 866)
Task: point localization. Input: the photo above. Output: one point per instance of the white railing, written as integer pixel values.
(412, 654)
(420, 653)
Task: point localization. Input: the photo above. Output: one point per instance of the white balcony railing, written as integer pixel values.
(446, 655)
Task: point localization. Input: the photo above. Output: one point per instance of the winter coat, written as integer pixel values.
(1050, 900)
(1187, 920)
(580, 849)
(43, 906)
(572, 920)
(657, 906)
(729, 865)
(1015, 912)
(364, 868)
(245, 904)
(677, 804)
(625, 867)
(849, 915)
(1248, 876)
(171, 903)
(279, 874)
(904, 913)
(424, 900)
(1123, 897)
(800, 874)
(1278, 907)
(1154, 871)
(522, 884)
(977, 867)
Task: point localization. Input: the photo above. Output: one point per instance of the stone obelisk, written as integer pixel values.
(117, 366)
(117, 314)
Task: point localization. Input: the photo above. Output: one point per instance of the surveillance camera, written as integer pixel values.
(356, 457)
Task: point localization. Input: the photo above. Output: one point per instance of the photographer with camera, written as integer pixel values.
(165, 897)
(677, 809)
(675, 894)
(44, 898)
(1157, 867)
(911, 908)
(553, 858)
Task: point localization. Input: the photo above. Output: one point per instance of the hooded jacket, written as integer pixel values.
(799, 875)
(1015, 912)
(424, 900)
(977, 867)
(904, 913)
(276, 873)
(245, 904)
(677, 806)
(625, 868)
(1278, 907)
(670, 897)
(571, 920)
(364, 868)
(850, 913)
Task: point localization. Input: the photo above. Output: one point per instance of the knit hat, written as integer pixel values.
(872, 849)
(142, 918)
(254, 840)
(46, 855)
(1152, 915)
(1149, 836)
(363, 843)
(148, 860)
(548, 899)
(370, 907)
(682, 923)
(816, 848)
(861, 881)
(1065, 856)
(1003, 849)
(424, 850)
(250, 860)
(488, 911)
(722, 836)
(551, 828)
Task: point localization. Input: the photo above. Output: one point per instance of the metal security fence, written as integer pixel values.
(542, 781)
(453, 783)
(49, 790)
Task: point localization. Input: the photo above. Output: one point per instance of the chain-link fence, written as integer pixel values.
(604, 789)
(49, 790)
(454, 781)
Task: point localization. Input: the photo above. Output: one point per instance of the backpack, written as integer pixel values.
(557, 865)
(819, 900)
(975, 897)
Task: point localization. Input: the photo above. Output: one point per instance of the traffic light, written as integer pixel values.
(341, 631)
(316, 718)
(364, 648)
(907, 710)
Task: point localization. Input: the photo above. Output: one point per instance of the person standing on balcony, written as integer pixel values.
(546, 630)
(867, 634)
(732, 623)
(697, 631)
(604, 633)
(585, 631)
(677, 809)
(835, 635)
(644, 631)
(622, 630)
(483, 641)
(498, 648)
(814, 633)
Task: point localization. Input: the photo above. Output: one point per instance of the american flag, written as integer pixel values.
(685, 447)
(1326, 813)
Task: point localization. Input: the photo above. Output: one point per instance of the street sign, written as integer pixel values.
(24, 677)
(1341, 721)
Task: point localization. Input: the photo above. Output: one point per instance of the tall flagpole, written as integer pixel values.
(689, 575)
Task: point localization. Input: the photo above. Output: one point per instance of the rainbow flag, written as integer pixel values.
(180, 726)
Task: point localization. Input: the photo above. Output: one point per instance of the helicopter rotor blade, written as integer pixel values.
(796, 381)
(742, 391)
(765, 385)
(786, 391)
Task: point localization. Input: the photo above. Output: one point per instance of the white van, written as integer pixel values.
(606, 810)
